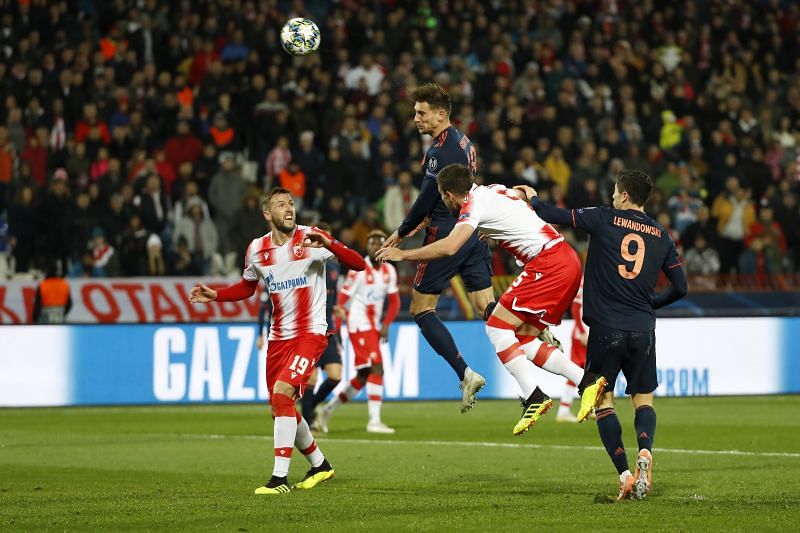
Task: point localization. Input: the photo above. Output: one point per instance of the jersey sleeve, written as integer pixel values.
(428, 195)
(588, 218)
(470, 212)
(585, 218)
(250, 272)
(392, 289)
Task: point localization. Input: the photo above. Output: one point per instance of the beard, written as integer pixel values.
(284, 226)
(454, 210)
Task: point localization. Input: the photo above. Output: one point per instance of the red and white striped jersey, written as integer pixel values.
(366, 291)
(498, 213)
(294, 276)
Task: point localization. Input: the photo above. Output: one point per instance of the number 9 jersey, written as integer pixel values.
(628, 250)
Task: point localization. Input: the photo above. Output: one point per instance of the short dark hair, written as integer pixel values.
(455, 178)
(272, 192)
(434, 95)
(379, 233)
(638, 185)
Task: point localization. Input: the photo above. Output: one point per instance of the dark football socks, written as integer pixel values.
(322, 392)
(645, 423)
(611, 434)
(441, 341)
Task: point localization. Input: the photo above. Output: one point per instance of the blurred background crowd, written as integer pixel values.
(136, 136)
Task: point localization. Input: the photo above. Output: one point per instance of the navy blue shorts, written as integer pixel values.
(473, 261)
(332, 354)
(633, 352)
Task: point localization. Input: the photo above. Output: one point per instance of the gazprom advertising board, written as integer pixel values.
(196, 363)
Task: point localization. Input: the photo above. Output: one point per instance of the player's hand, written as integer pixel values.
(340, 312)
(420, 226)
(260, 342)
(385, 333)
(525, 192)
(317, 239)
(392, 241)
(200, 294)
(391, 254)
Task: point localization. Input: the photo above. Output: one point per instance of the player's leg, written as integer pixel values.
(353, 387)
(331, 362)
(423, 309)
(645, 423)
(281, 401)
(605, 352)
(640, 371)
(289, 366)
(611, 436)
(307, 401)
(321, 470)
(375, 387)
(501, 330)
(578, 356)
(546, 355)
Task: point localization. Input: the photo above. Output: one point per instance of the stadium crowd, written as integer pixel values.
(137, 136)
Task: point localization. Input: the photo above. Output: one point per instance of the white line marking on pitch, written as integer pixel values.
(741, 453)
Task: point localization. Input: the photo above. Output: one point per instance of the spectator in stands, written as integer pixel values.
(54, 218)
(183, 146)
(153, 205)
(133, 248)
(700, 260)
(200, 235)
(293, 179)
(735, 214)
(364, 225)
(225, 196)
(22, 221)
(398, 200)
(723, 95)
(311, 162)
(246, 225)
(277, 159)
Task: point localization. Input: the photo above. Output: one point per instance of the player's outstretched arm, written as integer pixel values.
(238, 291)
(443, 248)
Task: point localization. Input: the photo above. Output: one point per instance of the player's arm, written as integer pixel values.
(677, 281)
(347, 257)
(586, 218)
(428, 196)
(436, 250)
(240, 290)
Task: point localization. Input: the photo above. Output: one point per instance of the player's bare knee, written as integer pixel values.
(642, 400)
(334, 372)
(606, 401)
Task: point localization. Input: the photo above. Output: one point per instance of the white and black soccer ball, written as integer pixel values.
(300, 36)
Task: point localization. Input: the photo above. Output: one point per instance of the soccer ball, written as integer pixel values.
(300, 36)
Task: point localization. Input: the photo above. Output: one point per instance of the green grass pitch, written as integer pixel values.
(720, 464)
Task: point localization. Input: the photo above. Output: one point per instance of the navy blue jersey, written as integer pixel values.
(627, 252)
(448, 148)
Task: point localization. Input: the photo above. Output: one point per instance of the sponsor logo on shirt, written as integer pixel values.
(284, 285)
(463, 216)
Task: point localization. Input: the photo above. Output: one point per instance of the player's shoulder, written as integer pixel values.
(260, 243)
